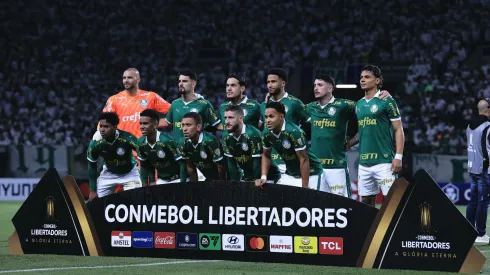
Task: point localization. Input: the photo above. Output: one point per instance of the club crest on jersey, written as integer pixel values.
(204, 155)
(144, 103)
(374, 108)
(286, 144)
(120, 151)
(244, 146)
(161, 154)
(193, 110)
(331, 111)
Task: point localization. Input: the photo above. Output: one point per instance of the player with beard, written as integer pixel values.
(120, 166)
(379, 120)
(157, 152)
(303, 169)
(201, 150)
(295, 109)
(243, 148)
(329, 120)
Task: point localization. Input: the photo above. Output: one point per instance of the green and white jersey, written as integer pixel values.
(199, 105)
(295, 113)
(205, 154)
(245, 150)
(162, 156)
(118, 154)
(251, 109)
(376, 140)
(328, 129)
(291, 139)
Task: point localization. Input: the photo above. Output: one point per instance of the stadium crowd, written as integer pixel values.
(63, 59)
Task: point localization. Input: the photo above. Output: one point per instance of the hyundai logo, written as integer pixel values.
(232, 240)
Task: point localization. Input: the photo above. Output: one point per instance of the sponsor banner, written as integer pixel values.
(331, 245)
(186, 240)
(164, 240)
(305, 244)
(121, 239)
(209, 241)
(233, 242)
(143, 239)
(443, 168)
(458, 193)
(281, 244)
(236, 224)
(14, 189)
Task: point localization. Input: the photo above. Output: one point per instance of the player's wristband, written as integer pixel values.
(399, 156)
(263, 178)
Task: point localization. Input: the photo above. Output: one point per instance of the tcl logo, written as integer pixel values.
(332, 245)
(164, 240)
(133, 118)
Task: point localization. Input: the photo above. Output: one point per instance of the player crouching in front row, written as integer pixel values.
(201, 150)
(116, 148)
(303, 169)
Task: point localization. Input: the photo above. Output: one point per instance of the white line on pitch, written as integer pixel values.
(104, 266)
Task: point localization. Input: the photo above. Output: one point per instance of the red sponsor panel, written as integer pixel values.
(164, 240)
(331, 245)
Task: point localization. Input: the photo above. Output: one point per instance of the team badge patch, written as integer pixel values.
(374, 108)
(161, 154)
(144, 103)
(331, 111)
(193, 110)
(204, 155)
(120, 151)
(286, 144)
(300, 141)
(244, 146)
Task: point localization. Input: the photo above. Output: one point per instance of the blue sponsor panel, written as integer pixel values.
(142, 239)
(187, 240)
(458, 193)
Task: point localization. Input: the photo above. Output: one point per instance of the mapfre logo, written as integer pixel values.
(332, 245)
(132, 118)
(281, 244)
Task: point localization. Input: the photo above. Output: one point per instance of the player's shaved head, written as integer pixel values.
(483, 106)
(134, 71)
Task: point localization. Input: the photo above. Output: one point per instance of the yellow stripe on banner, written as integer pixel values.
(83, 216)
(381, 223)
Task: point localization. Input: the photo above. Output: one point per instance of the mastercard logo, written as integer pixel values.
(257, 243)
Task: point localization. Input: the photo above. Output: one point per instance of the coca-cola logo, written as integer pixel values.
(164, 240)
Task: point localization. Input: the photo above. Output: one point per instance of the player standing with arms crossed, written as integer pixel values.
(378, 120)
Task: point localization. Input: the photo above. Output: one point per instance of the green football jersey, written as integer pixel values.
(376, 140)
(328, 128)
(118, 155)
(199, 105)
(245, 150)
(204, 154)
(290, 140)
(295, 113)
(162, 156)
(251, 109)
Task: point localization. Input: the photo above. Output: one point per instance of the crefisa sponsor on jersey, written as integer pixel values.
(50, 232)
(426, 244)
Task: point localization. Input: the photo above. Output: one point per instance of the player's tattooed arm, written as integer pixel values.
(351, 142)
(192, 171)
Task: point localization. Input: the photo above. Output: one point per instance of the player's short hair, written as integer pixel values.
(326, 77)
(110, 117)
(236, 109)
(276, 105)
(153, 114)
(376, 71)
(187, 72)
(281, 73)
(196, 116)
(241, 80)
